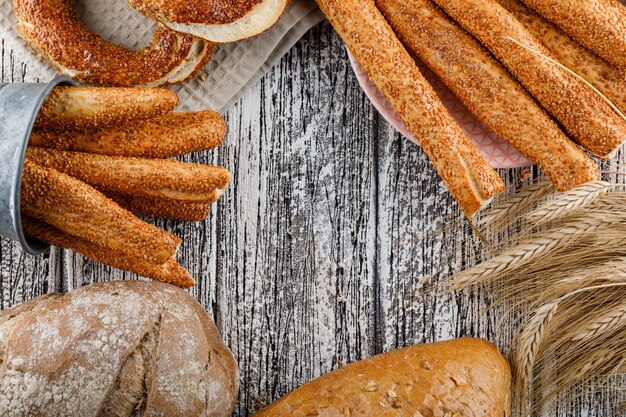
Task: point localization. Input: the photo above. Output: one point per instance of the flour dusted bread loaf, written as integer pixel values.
(117, 349)
(461, 378)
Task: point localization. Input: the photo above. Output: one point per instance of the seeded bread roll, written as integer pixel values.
(99, 107)
(366, 33)
(585, 116)
(463, 377)
(600, 25)
(220, 21)
(115, 349)
(488, 90)
(610, 80)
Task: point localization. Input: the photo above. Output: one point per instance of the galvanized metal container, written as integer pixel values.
(19, 106)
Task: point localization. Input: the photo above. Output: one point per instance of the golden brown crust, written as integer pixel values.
(165, 136)
(98, 107)
(465, 172)
(138, 176)
(53, 30)
(488, 90)
(163, 208)
(610, 80)
(221, 21)
(600, 25)
(196, 11)
(586, 117)
(170, 271)
(463, 377)
(79, 210)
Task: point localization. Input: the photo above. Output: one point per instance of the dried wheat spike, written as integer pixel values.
(569, 202)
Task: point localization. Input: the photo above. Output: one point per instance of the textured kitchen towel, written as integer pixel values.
(233, 68)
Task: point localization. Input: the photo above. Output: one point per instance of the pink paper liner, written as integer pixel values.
(498, 153)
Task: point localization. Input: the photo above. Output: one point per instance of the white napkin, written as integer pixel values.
(232, 69)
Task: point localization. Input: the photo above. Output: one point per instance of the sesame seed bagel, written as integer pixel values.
(217, 21)
(53, 30)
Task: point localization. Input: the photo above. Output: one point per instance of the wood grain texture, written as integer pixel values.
(315, 254)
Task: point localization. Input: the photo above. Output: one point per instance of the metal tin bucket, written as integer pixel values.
(19, 106)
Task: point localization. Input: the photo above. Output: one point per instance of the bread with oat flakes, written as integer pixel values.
(463, 377)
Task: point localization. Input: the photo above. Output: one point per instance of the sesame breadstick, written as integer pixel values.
(165, 136)
(488, 90)
(170, 271)
(582, 112)
(600, 25)
(470, 180)
(608, 79)
(163, 208)
(79, 210)
(137, 176)
(98, 107)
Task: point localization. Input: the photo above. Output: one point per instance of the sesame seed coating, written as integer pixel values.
(600, 25)
(170, 272)
(467, 175)
(53, 30)
(165, 136)
(79, 210)
(607, 78)
(585, 116)
(163, 208)
(488, 90)
(197, 11)
(137, 176)
(98, 107)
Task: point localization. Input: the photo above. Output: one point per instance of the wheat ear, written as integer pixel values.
(529, 342)
(528, 250)
(608, 322)
(516, 203)
(569, 202)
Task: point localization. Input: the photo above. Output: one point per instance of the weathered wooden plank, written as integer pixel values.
(24, 277)
(295, 264)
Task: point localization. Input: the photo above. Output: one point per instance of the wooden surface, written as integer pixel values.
(315, 255)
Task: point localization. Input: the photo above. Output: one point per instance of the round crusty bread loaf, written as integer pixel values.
(463, 377)
(116, 349)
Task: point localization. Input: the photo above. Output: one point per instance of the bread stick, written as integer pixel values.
(136, 176)
(98, 107)
(79, 210)
(165, 136)
(582, 112)
(163, 208)
(170, 271)
(488, 90)
(600, 25)
(470, 180)
(608, 79)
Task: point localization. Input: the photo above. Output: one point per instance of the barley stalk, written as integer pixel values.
(610, 321)
(569, 202)
(527, 251)
(530, 340)
(516, 203)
